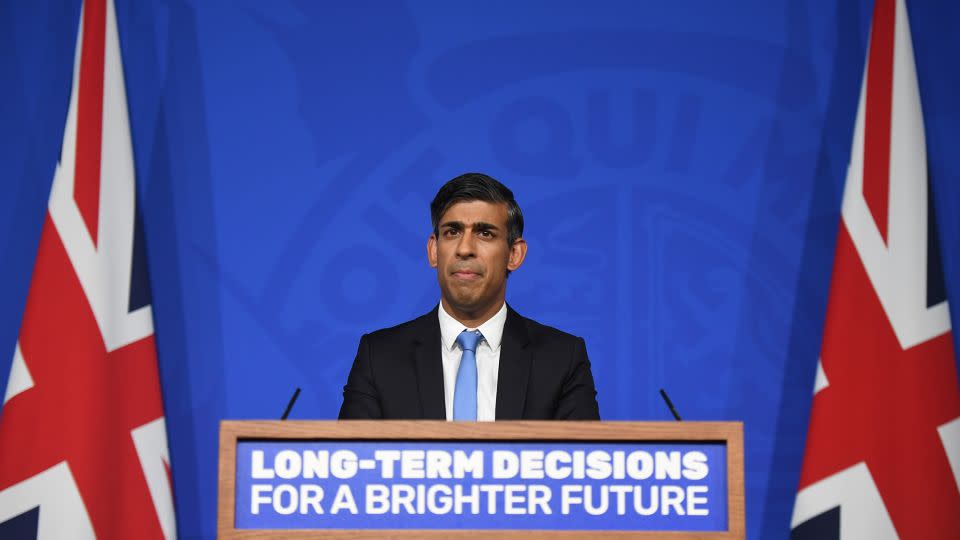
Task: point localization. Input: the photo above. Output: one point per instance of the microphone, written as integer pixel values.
(663, 394)
(294, 399)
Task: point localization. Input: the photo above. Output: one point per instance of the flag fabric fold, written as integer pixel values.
(882, 457)
(83, 445)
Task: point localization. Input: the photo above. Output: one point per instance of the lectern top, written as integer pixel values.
(420, 479)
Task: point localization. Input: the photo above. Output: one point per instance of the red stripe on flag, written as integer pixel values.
(166, 469)
(883, 405)
(876, 148)
(84, 402)
(86, 190)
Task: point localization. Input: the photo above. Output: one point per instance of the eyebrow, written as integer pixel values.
(479, 226)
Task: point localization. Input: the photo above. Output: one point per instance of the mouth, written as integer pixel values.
(466, 275)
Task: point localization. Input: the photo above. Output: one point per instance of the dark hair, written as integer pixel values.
(477, 187)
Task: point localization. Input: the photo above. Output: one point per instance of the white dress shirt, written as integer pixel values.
(488, 361)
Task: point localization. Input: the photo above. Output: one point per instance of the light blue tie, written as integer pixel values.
(465, 392)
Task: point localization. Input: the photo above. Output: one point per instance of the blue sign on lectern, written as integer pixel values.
(481, 485)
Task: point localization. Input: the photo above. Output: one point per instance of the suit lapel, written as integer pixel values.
(429, 366)
(515, 358)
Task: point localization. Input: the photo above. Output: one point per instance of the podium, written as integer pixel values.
(509, 479)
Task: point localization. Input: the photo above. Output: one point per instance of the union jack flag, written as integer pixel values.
(83, 445)
(882, 459)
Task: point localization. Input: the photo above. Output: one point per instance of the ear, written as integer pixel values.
(518, 252)
(432, 251)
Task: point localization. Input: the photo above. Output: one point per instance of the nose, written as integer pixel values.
(465, 246)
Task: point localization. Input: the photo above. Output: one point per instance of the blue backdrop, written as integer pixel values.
(680, 166)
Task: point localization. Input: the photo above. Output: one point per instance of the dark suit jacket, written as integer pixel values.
(398, 374)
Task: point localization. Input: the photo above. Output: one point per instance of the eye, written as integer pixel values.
(449, 232)
(486, 234)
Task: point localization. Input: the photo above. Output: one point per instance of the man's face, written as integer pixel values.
(472, 257)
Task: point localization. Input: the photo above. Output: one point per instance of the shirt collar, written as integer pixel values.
(492, 329)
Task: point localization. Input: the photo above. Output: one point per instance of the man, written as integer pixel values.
(472, 357)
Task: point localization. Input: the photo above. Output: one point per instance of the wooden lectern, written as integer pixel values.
(233, 434)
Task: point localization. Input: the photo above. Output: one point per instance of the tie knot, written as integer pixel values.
(468, 340)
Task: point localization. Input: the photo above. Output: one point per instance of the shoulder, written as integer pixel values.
(411, 330)
(539, 333)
